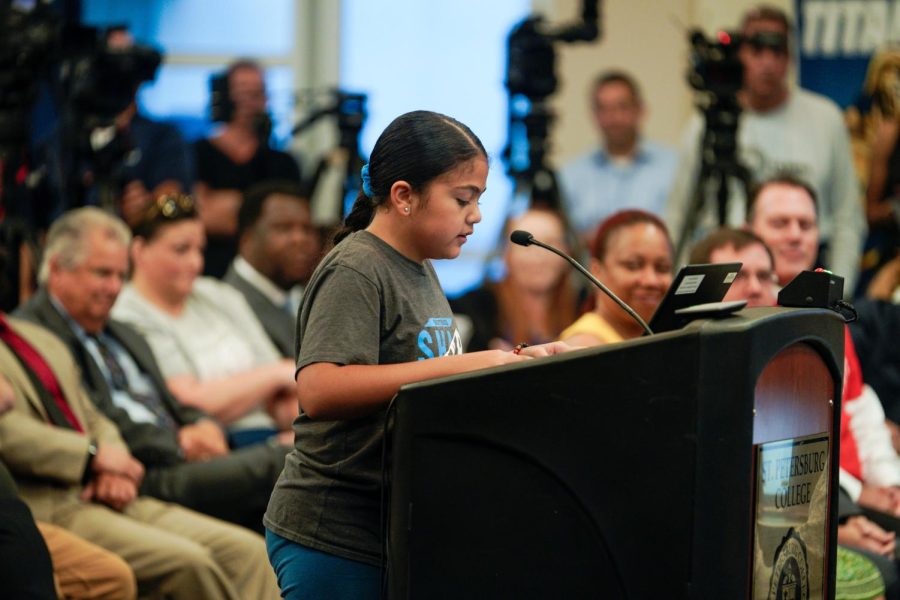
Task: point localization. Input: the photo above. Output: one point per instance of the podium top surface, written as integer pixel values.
(766, 330)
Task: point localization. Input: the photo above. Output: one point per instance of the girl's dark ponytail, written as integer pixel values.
(416, 148)
(357, 219)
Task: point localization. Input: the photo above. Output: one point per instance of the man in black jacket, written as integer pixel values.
(184, 452)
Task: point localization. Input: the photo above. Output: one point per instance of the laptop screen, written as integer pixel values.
(694, 284)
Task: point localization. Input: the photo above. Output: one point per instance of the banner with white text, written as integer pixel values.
(836, 39)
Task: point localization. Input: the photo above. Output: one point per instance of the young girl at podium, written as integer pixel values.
(374, 318)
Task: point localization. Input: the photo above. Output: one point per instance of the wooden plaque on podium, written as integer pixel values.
(791, 433)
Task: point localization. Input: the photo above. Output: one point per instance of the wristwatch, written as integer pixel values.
(89, 465)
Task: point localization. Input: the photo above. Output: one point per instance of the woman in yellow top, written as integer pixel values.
(631, 254)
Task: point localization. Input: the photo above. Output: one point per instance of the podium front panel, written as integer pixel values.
(618, 472)
(550, 480)
(792, 462)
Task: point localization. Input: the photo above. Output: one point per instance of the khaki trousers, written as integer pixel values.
(175, 552)
(84, 571)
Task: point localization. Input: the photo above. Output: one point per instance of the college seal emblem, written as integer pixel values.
(790, 571)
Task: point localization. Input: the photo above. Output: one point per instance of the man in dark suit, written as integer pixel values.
(279, 249)
(184, 451)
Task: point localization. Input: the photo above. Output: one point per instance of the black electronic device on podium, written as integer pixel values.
(698, 463)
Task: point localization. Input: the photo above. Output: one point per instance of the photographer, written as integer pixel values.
(161, 161)
(782, 129)
(104, 152)
(234, 159)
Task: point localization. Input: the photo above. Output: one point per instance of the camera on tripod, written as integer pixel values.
(716, 68)
(530, 80)
(27, 40)
(336, 181)
(717, 74)
(101, 80)
(98, 82)
(91, 80)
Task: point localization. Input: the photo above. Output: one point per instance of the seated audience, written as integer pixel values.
(73, 470)
(755, 282)
(278, 248)
(35, 556)
(870, 540)
(82, 570)
(184, 452)
(783, 212)
(632, 256)
(25, 566)
(208, 343)
(534, 301)
(875, 337)
(857, 577)
(874, 124)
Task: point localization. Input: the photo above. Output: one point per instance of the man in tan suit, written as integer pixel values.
(73, 470)
(74, 568)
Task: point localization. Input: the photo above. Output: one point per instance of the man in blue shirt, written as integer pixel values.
(626, 171)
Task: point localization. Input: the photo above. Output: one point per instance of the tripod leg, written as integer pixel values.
(689, 225)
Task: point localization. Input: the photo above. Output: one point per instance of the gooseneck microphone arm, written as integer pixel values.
(523, 238)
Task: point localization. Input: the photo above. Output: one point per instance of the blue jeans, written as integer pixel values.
(249, 437)
(307, 574)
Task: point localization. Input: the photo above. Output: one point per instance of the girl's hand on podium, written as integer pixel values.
(548, 349)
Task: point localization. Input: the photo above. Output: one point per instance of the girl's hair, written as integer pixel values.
(619, 220)
(416, 147)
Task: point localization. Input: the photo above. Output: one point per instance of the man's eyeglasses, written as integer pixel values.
(764, 277)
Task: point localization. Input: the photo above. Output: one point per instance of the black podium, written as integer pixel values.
(700, 463)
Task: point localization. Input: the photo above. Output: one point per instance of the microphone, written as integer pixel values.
(523, 238)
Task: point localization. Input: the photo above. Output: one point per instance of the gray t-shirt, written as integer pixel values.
(365, 304)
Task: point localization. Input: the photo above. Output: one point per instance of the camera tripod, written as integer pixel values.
(719, 165)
